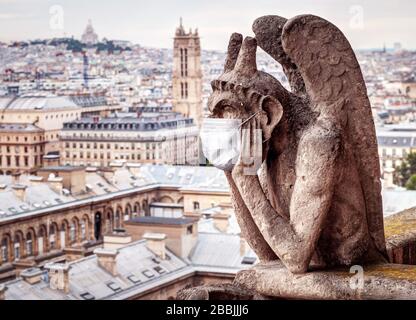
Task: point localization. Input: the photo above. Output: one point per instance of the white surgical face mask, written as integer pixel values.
(221, 141)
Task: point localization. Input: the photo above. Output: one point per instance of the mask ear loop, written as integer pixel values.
(248, 119)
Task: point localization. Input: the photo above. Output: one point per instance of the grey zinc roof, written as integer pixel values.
(37, 102)
(207, 224)
(403, 135)
(36, 196)
(219, 250)
(126, 179)
(162, 220)
(19, 127)
(187, 176)
(86, 276)
(398, 200)
(396, 141)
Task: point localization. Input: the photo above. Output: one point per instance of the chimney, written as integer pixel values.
(19, 191)
(388, 177)
(3, 290)
(15, 177)
(156, 242)
(117, 239)
(109, 174)
(55, 183)
(35, 180)
(221, 221)
(32, 275)
(243, 246)
(58, 276)
(106, 259)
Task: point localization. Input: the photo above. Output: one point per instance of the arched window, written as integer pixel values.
(52, 237)
(196, 205)
(5, 250)
(117, 220)
(72, 231)
(17, 248)
(29, 244)
(83, 230)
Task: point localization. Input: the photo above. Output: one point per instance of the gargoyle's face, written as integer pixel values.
(242, 91)
(228, 103)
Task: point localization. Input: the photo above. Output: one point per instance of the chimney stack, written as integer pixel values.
(106, 259)
(20, 191)
(3, 290)
(117, 239)
(35, 180)
(58, 276)
(15, 177)
(32, 275)
(156, 242)
(243, 246)
(388, 177)
(55, 183)
(221, 221)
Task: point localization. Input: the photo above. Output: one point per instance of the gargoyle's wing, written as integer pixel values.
(268, 31)
(336, 88)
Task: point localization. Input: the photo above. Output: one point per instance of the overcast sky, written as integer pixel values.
(367, 23)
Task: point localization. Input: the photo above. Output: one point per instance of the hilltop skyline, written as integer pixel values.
(368, 24)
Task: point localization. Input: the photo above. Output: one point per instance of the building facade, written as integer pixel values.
(187, 74)
(395, 143)
(22, 147)
(165, 138)
(30, 126)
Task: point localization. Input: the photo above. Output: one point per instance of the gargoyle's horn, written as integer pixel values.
(234, 46)
(246, 61)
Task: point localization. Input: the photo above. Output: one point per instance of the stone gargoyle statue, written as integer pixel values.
(315, 201)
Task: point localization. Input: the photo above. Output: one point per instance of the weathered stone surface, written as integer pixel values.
(385, 281)
(317, 198)
(217, 292)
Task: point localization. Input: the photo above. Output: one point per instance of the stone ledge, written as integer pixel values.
(386, 281)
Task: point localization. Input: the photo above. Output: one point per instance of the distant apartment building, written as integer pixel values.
(395, 143)
(22, 147)
(158, 138)
(30, 126)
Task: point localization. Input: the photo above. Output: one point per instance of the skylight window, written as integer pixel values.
(114, 286)
(58, 200)
(134, 279)
(13, 210)
(148, 274)
(248, 260)
(87, 296)
(159, 270)
(47, 203)
(24, 207)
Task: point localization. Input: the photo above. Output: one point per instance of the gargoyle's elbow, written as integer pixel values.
(298, 268)
(298, 265)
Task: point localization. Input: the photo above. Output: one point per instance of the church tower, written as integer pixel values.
(187, 74)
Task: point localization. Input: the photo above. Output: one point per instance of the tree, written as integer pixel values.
(411, 183)
(407, 169)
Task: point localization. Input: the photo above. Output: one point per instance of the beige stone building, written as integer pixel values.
(187, 74)
(49, 113)
(22, 147)
(158, 138)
